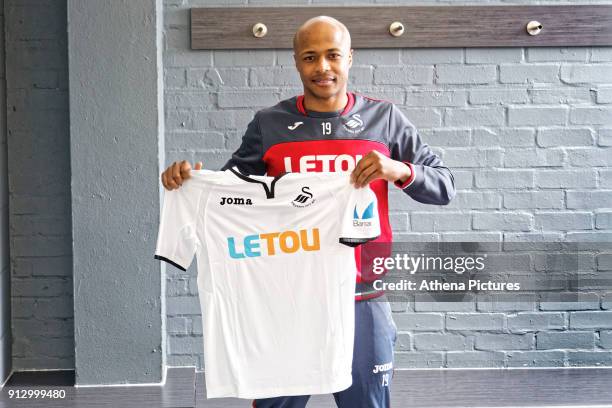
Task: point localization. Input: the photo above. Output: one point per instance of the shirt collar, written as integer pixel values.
(347, 108)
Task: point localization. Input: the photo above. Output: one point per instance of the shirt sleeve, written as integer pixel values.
(359, 209)
(249, 156)
(177, 239)
(430, 182)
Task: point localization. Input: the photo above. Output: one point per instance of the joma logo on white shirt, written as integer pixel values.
(328, 162)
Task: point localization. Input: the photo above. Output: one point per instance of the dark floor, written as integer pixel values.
(575, 387)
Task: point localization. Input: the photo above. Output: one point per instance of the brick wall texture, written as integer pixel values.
(39, 184)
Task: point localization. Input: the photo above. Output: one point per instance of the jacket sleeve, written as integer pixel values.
(249, 156)
(431, 182)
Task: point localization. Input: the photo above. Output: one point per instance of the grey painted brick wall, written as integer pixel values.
(39, 184)
(527, 132)
(5, 271)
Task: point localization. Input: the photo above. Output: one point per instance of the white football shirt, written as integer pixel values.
(275, 275)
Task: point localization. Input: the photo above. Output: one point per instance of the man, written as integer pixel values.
(330, 129)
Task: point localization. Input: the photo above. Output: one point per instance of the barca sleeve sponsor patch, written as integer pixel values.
(360, 222)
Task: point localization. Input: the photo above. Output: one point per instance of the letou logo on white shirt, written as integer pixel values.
(273, 243)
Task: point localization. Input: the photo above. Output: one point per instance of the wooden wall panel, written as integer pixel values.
(428, 26)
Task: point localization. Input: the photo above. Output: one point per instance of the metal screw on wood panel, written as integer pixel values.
(396, 29)
(260, 30)
(534, 27)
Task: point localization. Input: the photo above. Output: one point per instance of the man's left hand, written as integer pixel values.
(376, 165)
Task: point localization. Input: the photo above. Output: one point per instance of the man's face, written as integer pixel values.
(323, 58)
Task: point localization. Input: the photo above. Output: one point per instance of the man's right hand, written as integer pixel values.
(174, 176)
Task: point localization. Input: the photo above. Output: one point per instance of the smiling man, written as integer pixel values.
(330, 129)
(324, 86)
